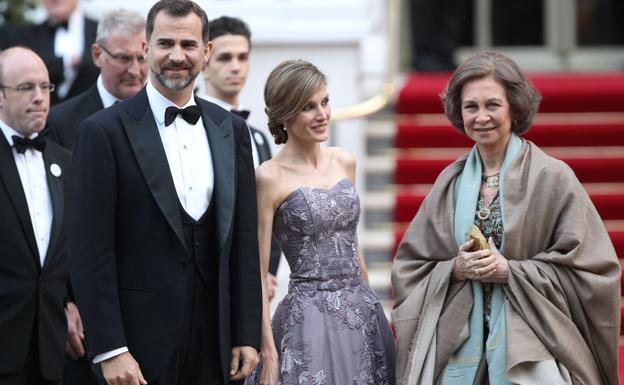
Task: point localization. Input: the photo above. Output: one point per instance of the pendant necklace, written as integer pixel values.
(483, 213)
(491, 181)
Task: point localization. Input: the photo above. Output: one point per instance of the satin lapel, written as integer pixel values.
(13, 184)
(221, 140)
(150, 154)
(55, 187)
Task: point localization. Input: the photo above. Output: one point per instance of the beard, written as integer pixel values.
(176, 83)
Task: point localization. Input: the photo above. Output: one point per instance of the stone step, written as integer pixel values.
(379, 136)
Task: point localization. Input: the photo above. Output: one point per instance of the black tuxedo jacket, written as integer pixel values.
(40, 38)
(128, 261)
(261, 143)
(31, 296)
(65, 118)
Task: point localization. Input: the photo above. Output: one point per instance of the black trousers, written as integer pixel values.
(78, 372)
(30, 374)
(196, 360)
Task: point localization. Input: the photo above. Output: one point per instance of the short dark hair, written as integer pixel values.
(176, 8)
(523, 99)
(226, 25)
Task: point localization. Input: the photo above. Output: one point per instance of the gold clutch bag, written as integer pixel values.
(480, 243)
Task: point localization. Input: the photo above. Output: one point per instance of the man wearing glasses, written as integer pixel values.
(34, 173)
(118, 52)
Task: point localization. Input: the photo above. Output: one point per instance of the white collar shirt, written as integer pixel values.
(188, 154)
(69, 45)
(32, 173)
(107, 98)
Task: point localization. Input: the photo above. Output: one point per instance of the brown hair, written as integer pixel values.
(287, 90)
(176, 8)
(522, 97)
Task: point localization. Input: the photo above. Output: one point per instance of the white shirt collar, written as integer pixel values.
(107, 98)
(223, 104)
(159, 103)
(76, 20)
(9, 132)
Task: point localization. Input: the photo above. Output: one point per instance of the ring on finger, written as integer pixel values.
(476, 272)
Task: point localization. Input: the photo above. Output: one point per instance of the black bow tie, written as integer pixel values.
(191, 114)
(55, 26)
(242, 113)
(22, 144)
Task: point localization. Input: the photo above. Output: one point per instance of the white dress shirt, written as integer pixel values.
(107, 98)
(228, 107)
(190, 163)
(32, 173)
(188, 154)
(69, 45)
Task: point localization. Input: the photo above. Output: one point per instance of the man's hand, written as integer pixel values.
(271, 285)
(75, 333)
(122, 370)
(244, 360)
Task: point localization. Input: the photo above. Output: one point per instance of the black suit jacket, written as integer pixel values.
(40, 38)
(264, 154)
(31, 296)
(65, 118)
(127, 252)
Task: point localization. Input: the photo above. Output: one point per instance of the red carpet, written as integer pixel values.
(567, 92)
(621, 364)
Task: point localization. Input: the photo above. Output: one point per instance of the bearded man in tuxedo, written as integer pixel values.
(163, 223)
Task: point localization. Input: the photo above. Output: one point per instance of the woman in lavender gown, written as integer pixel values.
(330, 328)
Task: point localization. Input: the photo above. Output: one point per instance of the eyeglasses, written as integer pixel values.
(29, 88)
(122, 58)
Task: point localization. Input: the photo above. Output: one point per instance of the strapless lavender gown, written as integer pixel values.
(330, 328)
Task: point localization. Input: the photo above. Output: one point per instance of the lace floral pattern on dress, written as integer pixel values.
(330, 328)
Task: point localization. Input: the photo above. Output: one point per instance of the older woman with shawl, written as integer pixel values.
(539, 303)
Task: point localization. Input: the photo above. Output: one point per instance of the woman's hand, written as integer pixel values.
(473, 264)
(500, 270)
(270, 368)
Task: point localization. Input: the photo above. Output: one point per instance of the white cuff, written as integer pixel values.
(105, 356)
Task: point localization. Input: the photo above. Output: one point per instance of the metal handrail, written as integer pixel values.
(379, 101)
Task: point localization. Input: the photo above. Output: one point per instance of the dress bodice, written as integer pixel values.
(316, 230)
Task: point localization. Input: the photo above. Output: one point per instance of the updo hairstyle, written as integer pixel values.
(288, 89)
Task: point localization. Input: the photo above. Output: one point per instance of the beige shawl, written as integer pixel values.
(562, 298)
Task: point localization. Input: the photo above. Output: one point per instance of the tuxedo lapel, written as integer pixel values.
(55, 187)
(221, 141)
(13, 185)
(143, 134)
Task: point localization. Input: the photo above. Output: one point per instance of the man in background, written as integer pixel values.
(63, 41)
(118, 52)
(225, 75)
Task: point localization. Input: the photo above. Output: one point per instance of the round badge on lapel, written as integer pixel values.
(55, 169)
(259, 139)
